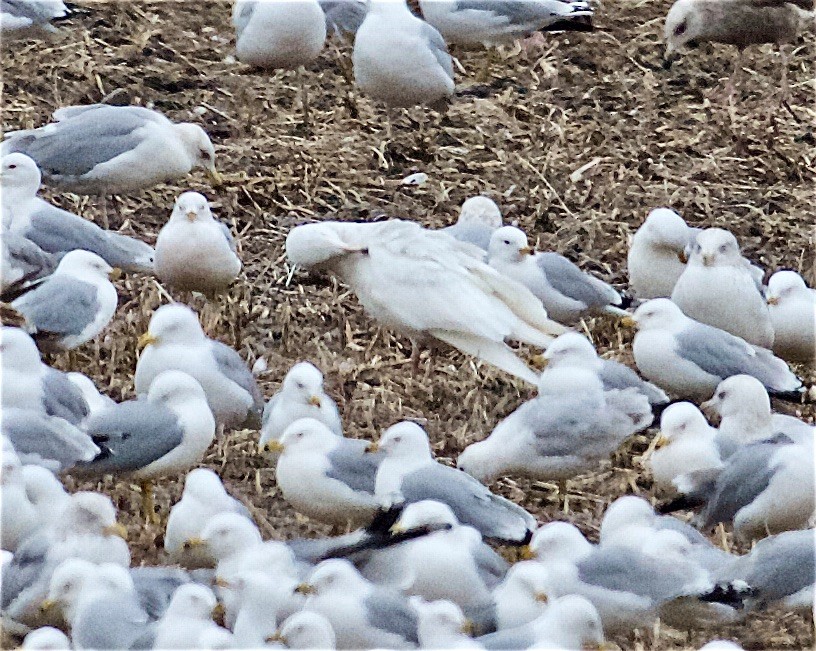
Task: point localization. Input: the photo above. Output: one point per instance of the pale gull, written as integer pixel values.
(428, 286)
(204, 497)
(326, 477)
(523, 595)
(689, 359)
(569, 428)
(164, 434)
(478, 217)
(176, 340)
(30, 384)
(46, 637)
(717, 288)
(23, 263)
(195, 252)
(301, 396)
(18, 514)
(263, 602)
(471, 569)
(485, 22)
(442, 625)
(73, 305)
(400, 59)
(58, 231)
(685, 444)
(189, 614)
(566, 292)
(306, 630)
(792, 305)
(574, 350)
(362, 614)
(411, 474)
(216, 638)
(98, 149)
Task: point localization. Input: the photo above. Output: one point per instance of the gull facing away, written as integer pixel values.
(194, 251)
(792, 305)
(175, 340)
(566, 292)
(485, 22)
(101, 149)
(400, 59)
(717, 287)
(73, 305)
(478, 217)
(689, 359)
(164, 434)
(58, 231)
(428, 286)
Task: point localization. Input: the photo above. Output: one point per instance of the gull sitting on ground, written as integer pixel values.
(792, 305)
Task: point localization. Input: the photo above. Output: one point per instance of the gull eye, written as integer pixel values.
(723, 248)
(507, 242)
(680, 29)
(12, 167)
(300, 385)
(721, 395)
(397, 439)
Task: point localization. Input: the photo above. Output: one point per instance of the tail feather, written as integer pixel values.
(495, 353)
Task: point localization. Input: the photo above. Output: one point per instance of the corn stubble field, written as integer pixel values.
(576, 141)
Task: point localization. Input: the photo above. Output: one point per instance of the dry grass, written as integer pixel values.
(653, 138)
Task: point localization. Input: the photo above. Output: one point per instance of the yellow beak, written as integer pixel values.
(221, 582)
(273, 445)
(218, 612)
(468, 628)
(115, 273)
(773, 300)
(661, 441)
(47, 605)
(191, 216)
(527, 553)
(527, 250)
(373, 447)
(192, 543)
(116, 529)
(708, 259)
(145, 340)
(314, 401)
(628, 322)
(276, 637)
(305, 588)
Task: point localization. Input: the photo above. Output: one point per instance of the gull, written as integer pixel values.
(30, 384)
(717, 288)
(263, 601)
(100, 149)
(95, 400)
(470, 567)
(21, 16)
(175, 340)
(58, 231)
(188, 615)
(73, 305)
(194, 251)
(204, 497)
(362, 614)
(301, 396)
(570, 427)
(306, 630)
(657, 254)
(23, 263)
(483, 22)
(18, 515)
(400, 59)
(442, 625)
(326, 477)
(686, 444)
(736, 22)
(566, 292)
(164, 434)
(570, 622)
(478, 218)
(344, 16)
(286, 35)
(574, 350)
(523, 595)
(792, 305)
(46, 637)
(689, 359)
(410, 473)
(428, 286)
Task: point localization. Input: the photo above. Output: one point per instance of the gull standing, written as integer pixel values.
(194, 251)
(566, 292)
(429, 286)
(718, 288)
(72, 305)
(400, 59)
(175, 340)
(792, 305)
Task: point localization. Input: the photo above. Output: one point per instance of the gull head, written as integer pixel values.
(716, 247)
(680, 420)
(307, 630)
(570, 349)
(664, 228)
(404, 440)
(199, 147)
(578, 619)
(481, 211)
(203, 484)
(173, 324)
(659, 313)
(194, 601)
(787, 284)
(304, 384)
(18, 351)
(558, 541)
(91, 513)
(423, 513)
(509, 244)
(192, 206)
(20, 174)
(305, 435)
(312, 245)
(66, 585)
(85, 265)
(227, 534)
(43, 487)
(440, 617)
(531, 579)
(624, 512)
(334, 576)
(684, 27)
(46, 637)
(738, 395)
(176, 388)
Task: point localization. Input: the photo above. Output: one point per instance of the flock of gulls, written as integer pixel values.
(414, 562)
